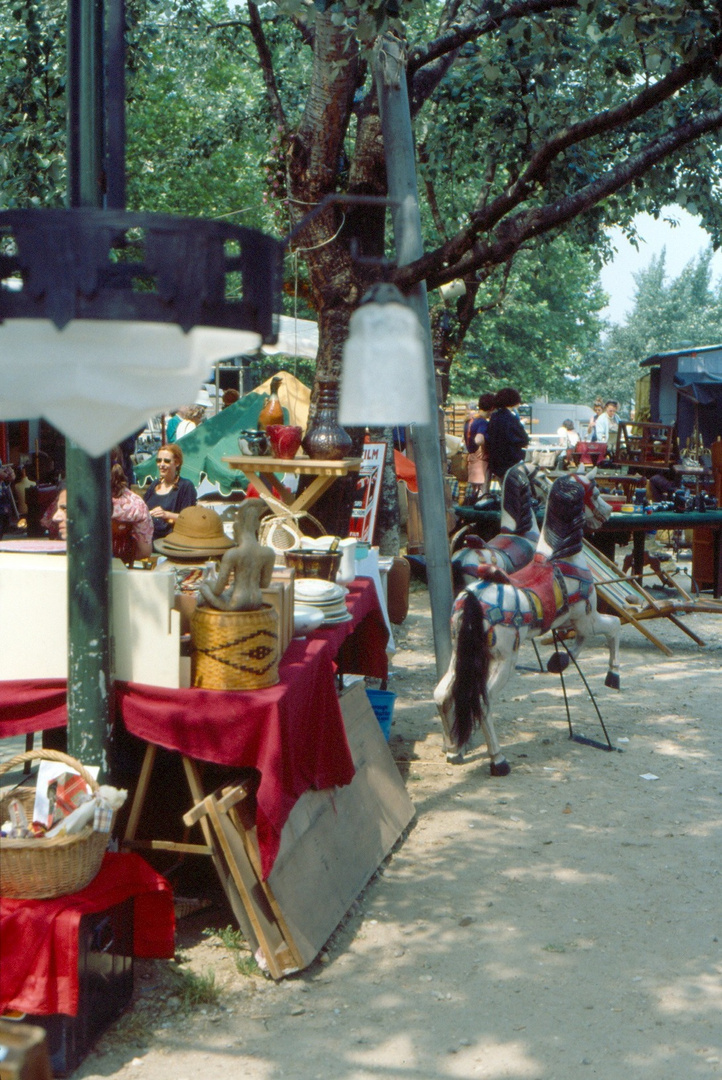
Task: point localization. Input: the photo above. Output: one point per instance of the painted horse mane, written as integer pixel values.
(516, 500)
(563, 529)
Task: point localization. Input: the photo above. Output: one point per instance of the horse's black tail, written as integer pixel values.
(472, 671)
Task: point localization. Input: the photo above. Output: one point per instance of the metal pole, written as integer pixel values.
(88, 479)
(390, 72)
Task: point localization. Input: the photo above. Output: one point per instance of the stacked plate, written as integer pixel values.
(325, 596)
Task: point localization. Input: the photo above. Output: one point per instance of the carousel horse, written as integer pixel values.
(514, 546)
(494, 616)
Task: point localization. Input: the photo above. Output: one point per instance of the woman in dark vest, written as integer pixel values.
(506, 437)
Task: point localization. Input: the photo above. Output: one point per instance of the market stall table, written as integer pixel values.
(640, 524)
(292, 732)
(261, 472)
(619, 525)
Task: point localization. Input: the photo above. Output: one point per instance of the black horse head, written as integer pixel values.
(564, 521)
(516, 498)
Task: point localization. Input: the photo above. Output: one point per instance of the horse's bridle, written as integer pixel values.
(590, 502)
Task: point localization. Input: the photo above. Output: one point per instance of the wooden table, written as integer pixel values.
(261, 472)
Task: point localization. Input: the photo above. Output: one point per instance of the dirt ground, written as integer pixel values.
(558, 923)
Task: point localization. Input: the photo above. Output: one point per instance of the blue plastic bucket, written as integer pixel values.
(382, 703)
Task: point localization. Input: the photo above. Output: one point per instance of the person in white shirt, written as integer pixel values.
(567, 435)
(606, 423)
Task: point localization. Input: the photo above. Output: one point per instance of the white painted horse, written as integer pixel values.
(514, 545)
(493, 617)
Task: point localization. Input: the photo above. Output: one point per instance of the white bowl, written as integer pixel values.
(306, 619)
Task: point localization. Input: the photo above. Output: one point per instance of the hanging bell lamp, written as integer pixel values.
(383, 377)
(108, 317)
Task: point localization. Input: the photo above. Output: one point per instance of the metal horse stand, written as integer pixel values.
(581, 738)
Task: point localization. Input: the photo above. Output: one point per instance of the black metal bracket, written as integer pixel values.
(88, 263)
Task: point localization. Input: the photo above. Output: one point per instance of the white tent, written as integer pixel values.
(296, 337)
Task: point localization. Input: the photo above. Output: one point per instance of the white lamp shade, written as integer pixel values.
(97, 381)
(383, 379)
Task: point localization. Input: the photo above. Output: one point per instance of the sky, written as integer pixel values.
(682, 244)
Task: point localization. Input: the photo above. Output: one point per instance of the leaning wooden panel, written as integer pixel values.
(335, 840)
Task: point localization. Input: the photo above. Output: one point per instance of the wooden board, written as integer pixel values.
(335, 840)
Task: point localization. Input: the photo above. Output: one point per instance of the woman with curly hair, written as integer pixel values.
(170, 493)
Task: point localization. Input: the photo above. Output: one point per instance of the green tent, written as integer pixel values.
(212, 440)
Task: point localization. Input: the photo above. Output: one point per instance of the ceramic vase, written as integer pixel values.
(325, 439)
(272, 411)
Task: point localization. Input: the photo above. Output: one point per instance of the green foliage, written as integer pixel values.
(194, 990)
(210, 133)
(234, 941)
(32, 103)
(538, 335)
(667, 315)
(195, 144)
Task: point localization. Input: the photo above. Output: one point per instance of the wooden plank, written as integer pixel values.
(242, 816)
(278, 956)
(167, 845)
(140, 792)
(335, 840)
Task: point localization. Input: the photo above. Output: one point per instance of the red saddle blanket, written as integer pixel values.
(543, 583)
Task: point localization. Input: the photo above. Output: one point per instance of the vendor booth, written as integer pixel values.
(206, 447)
(685, 388)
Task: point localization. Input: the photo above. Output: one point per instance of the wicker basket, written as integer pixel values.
(281, 529)
(39, 868)
(234, 650)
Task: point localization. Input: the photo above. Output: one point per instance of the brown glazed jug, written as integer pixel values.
(272, 411)
(325, 439)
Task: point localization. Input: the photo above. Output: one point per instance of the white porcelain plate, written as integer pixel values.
(316, 589)
(332, 619)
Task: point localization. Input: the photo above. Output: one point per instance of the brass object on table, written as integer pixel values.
(316, 564)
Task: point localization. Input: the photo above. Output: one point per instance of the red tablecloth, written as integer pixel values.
(293, 732)
(39, 938)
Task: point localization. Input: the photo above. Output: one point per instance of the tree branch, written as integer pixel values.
(486, 218)
(512, 234)
(266, 61)
(461, 34)
(431, 194)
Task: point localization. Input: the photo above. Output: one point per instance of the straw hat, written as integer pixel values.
(197, 533)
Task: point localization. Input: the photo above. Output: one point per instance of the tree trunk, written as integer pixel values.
(337, 282)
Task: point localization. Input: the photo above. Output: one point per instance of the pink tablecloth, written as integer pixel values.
(293, 733)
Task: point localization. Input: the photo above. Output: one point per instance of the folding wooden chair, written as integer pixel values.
(634, 604)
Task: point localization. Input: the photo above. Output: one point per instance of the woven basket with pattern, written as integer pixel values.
(41, 868)
(234, 650)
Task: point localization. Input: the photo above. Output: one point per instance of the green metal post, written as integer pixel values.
(90, 704)
(402, 187)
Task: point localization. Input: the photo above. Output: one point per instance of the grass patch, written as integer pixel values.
(234, 941)
(194, 990)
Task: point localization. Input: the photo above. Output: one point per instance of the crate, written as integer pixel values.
(105, 975)
(382, 703)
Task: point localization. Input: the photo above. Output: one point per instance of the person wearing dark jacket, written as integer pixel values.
(506, 437)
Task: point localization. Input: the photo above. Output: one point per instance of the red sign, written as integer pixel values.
(368, 492)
